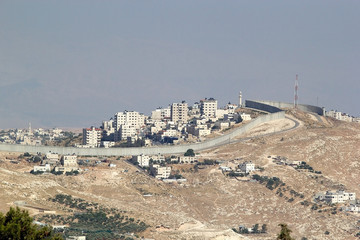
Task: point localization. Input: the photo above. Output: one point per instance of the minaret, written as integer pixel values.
(30, 132)
(240, 99)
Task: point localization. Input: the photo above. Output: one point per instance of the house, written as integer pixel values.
(42, 168)
(245, 117)
(51, 158)
(69, 163)
(247, 167)
(142, 160)
(187, 159)
(353, 208)
(107, 144)
(160, 172)
(76, 238)
(225, 169)
(158, 157)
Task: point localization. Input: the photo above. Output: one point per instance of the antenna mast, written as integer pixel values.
(296, 92)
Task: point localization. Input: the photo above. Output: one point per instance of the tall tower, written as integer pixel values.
(296, 97)
(240, 99)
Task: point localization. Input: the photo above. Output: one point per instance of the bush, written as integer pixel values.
(36, 173)
(27, 154)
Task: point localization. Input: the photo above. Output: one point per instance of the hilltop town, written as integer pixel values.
(178, 123)
(298, 168)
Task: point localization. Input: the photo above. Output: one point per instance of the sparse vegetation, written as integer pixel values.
(93, 220)
(270, 182)
(253, 230)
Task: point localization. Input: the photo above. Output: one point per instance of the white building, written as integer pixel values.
(76, 238)
(160, 172)
(42, 168)
(337, 197)
(353, 208)
(187, 159)
(247, 167)
(92, 137)
(129, 117)
(161, 114)
(245, 117)
(69, 161)
(179, 112)
(142, 160)
(222, 125)
(108, 127)
(199, 130)
(208, 107)
(170, 133)
(107, 144)
(51, 158)
(158, 157)
(125, 131)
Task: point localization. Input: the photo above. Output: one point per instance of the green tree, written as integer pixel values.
(190, 152)
(264, 228)
(17, 224)
(284, 233)
(255, 228)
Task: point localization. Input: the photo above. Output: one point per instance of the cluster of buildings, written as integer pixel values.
(157, 163)
(342, 116)
(334, 197)
(177, 122)
(285, 161)
(31, 136)
(340, 197)
(245, 168)
(52, 161)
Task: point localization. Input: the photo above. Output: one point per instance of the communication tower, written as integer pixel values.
(296, 97)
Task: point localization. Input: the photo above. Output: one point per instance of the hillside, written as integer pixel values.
(210, 203)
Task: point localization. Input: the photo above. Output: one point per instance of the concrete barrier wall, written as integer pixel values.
(264, 105)
(173, 149)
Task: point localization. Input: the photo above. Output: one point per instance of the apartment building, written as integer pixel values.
(108, 127)
(179, 112)
(142, 160)
(161, 114)
(160, 172)
(69, 161)
(92, 137)
(130, 118)
(126, 131)
(208, 107)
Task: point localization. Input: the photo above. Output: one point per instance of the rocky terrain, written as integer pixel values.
(210, 203)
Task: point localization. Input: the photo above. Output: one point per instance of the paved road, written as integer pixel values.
(297, 124)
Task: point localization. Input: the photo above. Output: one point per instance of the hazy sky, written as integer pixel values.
(75, 63)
